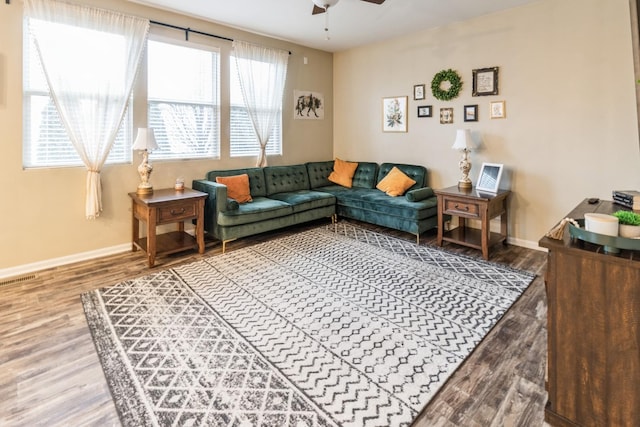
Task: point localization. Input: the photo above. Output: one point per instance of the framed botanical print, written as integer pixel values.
(418, 92)
(394, 114)
(497, 109)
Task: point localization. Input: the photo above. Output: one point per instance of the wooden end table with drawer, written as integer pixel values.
(472, 204)
(167, 206)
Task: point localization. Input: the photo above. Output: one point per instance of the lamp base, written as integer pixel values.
(144, 189)
(465, 185)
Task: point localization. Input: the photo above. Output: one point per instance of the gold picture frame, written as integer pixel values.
(497, 109)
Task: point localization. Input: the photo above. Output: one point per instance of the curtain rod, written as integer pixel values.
(189, 30)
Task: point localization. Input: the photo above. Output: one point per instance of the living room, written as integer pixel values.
(566, 75)
(570, 131)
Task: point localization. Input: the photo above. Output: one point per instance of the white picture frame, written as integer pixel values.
(489, 178)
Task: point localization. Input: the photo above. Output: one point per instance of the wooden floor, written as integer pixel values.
(50, 373)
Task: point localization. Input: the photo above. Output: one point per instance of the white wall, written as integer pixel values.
(566, 74)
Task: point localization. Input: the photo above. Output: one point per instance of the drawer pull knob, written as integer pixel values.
(465, 208)
(175, 212)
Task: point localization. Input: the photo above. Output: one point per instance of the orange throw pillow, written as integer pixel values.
(237, 187)
(343, 172)
(395, 183)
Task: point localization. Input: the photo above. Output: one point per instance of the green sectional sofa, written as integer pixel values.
(288, 195)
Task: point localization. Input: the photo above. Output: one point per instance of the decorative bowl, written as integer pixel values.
(601, 224)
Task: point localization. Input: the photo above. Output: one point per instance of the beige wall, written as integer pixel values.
(42, 212)
(567, 76)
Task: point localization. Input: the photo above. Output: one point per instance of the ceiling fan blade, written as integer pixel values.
(375, 1)
(317, 10)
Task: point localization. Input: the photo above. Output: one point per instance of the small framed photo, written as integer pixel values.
(485, 81)
(418, 92)
(394, 114)
(489, 178)
(446, 116)
(424, 111)
(471, 113)
(497, 110)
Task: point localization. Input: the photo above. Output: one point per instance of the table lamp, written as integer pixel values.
(464, 142)
(145, 142)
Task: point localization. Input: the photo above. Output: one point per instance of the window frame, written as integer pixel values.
(217, 104)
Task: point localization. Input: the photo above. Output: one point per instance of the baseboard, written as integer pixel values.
(525, 244)
(56, 262)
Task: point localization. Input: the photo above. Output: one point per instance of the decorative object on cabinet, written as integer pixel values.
(418, 92)
(471, 113)
(497, 109)
(145, 142)
(629, 223)
(424, 111)
(464, 142)
(394, 114)
(455, 84)
(489, 178)
(446, 116)
(485, 81)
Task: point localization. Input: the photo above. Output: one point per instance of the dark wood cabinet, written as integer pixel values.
(593, 365)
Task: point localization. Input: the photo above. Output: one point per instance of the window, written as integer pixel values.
(45, 139)
(244, 141)
(184, 110)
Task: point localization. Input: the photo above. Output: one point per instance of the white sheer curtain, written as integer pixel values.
(262, 73)
(90, 58)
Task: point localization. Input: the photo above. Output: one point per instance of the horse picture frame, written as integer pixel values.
(308, 105)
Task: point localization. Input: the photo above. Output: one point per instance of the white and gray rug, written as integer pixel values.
(354, 328)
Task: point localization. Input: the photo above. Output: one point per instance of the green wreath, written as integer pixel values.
(446, 76)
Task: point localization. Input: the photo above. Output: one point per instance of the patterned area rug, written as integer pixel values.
(353, 328)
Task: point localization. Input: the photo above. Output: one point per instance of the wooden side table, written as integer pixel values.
(469, 203)
(167, 206)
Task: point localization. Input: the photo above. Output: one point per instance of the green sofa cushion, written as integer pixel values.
(262, 208)
(319, 173)
(303, 200)
(419, 194)
(282, 179)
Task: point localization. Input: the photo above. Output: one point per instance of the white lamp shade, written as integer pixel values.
(145, 140)
(463, 141)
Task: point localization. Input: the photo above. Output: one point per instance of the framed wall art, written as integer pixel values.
(471, 113)
(446, 116)
(489, 178)
(424, 111)
(394, 114)
(418, 92)
(309, 105)
(497, 110)
(485, 81)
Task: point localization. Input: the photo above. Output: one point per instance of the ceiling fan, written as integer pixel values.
(321, 6)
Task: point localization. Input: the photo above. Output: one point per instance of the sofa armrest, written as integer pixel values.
(216, 202)
(419, 194)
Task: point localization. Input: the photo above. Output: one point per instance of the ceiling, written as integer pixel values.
(351, 22)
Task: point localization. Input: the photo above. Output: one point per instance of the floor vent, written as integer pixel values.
(20, 279)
